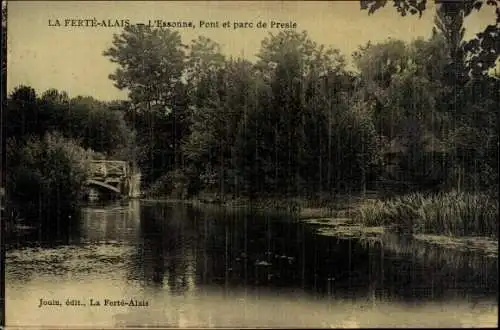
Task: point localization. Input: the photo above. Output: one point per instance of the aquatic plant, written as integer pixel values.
(450, 213)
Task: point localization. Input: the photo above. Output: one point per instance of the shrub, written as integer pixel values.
(172, 184)
(46, 177)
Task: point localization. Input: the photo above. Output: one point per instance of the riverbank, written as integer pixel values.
(169, 252)
(347, 228)
(452, 220)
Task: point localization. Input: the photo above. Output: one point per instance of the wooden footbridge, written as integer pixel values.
(112, 177)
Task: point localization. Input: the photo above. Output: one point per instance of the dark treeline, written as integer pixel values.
(297, 122)
(50, 141)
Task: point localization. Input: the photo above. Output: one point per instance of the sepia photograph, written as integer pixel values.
(250, 164)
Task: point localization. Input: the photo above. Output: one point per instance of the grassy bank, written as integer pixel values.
(453, 220)
(450, 214)
(454, 213)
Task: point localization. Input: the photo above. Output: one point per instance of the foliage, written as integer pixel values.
(453, 213)
(150, 66)
(294, 124)
(173, 184)
(216, 88)
(46, 176)
(418, 105)
(295, 115)
(481, 51)
(83, 119)
(235, 127)
(50, 139)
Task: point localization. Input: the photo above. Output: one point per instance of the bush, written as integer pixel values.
(47, 176)
(452, 213)
(173, 184)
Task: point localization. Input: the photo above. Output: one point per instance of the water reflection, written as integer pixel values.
(111, 223)
(423, 270)
(166, 249)
(200, 267)
(258, 250)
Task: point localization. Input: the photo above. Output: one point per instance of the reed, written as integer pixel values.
(446, 213)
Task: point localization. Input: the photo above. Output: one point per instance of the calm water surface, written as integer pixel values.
(196, 267)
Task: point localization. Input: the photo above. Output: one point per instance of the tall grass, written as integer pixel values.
(449, 213)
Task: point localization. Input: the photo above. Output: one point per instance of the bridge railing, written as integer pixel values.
(103, 168)
(116, 176)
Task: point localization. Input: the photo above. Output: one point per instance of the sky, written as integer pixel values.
(70, 58)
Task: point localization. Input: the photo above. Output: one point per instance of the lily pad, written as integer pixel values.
(352, 231)
(328, 221)
(484, 244)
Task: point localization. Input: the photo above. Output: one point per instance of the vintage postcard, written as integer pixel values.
(250, 164)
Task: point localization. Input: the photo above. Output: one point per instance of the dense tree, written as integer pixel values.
(84, 119)
(296, 122)
(150, 62)
(463, 90)
(402, 86)
(150, 66)
(23, 113)
(293, 141)
(481, 52)
(51, 138)
(405, 92)
(97, 126)
(46, 175)
(204, 59)
(214, 123)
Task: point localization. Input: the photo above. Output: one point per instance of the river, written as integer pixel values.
(187, 266)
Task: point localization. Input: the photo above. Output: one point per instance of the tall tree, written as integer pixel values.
(482, 52)
(467, 87)
(151, 64)
(293, 140)
(23, 110)
(219, 94)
